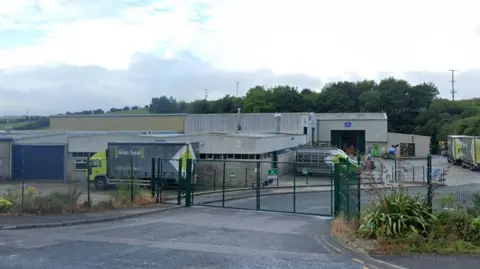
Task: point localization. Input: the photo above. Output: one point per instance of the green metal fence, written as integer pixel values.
(263, 185)
(347, 190)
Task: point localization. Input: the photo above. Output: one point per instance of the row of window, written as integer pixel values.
(242, 156)
(81, 164)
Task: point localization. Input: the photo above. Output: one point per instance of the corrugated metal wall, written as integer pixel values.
(38, 162)
(251, 123)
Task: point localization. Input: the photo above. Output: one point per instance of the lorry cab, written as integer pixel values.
(98, 169)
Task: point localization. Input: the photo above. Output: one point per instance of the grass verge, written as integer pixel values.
(404, 224)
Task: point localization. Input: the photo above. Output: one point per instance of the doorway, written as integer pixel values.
(352, 140)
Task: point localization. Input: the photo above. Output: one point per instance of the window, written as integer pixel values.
(80, 164)
(82, 154)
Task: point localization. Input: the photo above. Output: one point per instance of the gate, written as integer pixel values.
(277, 186)
(256, 185)
(172, 187)
(347, 190)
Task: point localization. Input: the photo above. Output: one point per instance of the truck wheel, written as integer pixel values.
(101, 183)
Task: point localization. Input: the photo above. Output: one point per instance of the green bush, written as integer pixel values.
(397, 215)
(5, 206)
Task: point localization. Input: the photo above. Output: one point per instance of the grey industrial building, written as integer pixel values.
(368, 132)
(62, 154)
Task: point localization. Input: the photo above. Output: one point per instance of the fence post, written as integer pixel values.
(336, 188)
(429, 182)
(223, 182)
(89, 172)
(359, 199)
(246, 177)
(131, 179)
(152, 179)
(158, 180)
(180, 182)
(381, 173)
(413, 172)
(258, 186)
(295, 188)
(331, 190)
(188, 183)
(23, 194)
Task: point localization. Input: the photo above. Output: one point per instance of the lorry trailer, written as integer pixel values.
(455, 144)
(122, 161)
(471, 152)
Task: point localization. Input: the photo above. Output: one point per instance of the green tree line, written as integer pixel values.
(414, 109)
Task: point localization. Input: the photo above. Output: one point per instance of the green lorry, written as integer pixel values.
(123, 160)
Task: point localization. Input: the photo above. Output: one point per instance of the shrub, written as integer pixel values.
(123, 197)
(5, 205)
(397, 215)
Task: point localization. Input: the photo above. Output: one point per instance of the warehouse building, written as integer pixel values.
(239, 151)
(367, 132)
(362, 130)
(241, 123)
(63, 155)
(240, 139)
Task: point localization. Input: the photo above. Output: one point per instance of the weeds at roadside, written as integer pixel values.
(34, 203)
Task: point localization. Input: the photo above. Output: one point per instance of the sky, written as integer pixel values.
(72, 55)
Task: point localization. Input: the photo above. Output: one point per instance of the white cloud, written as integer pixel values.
(59, 88)
(89, 45)
(327, 38)
(105, 41)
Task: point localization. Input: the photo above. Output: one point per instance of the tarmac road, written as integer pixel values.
(183, 238)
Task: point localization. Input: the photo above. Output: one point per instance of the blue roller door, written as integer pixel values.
(38, 162)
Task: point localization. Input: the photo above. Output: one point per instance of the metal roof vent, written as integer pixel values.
(278, 122)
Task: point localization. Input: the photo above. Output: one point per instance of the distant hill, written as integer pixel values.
(42, 122)
(24, 123)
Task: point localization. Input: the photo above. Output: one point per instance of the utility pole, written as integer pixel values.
(237, 89)
(206, 94)
(453, 91)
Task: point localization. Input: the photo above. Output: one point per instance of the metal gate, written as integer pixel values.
(263, 186)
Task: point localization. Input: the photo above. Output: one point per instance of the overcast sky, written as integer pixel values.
(59, 55)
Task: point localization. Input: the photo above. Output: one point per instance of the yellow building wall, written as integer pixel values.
(118, 123)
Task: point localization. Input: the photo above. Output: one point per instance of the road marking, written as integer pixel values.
(322, 244)
(325, 240)
(357, 260)
(387, 263)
